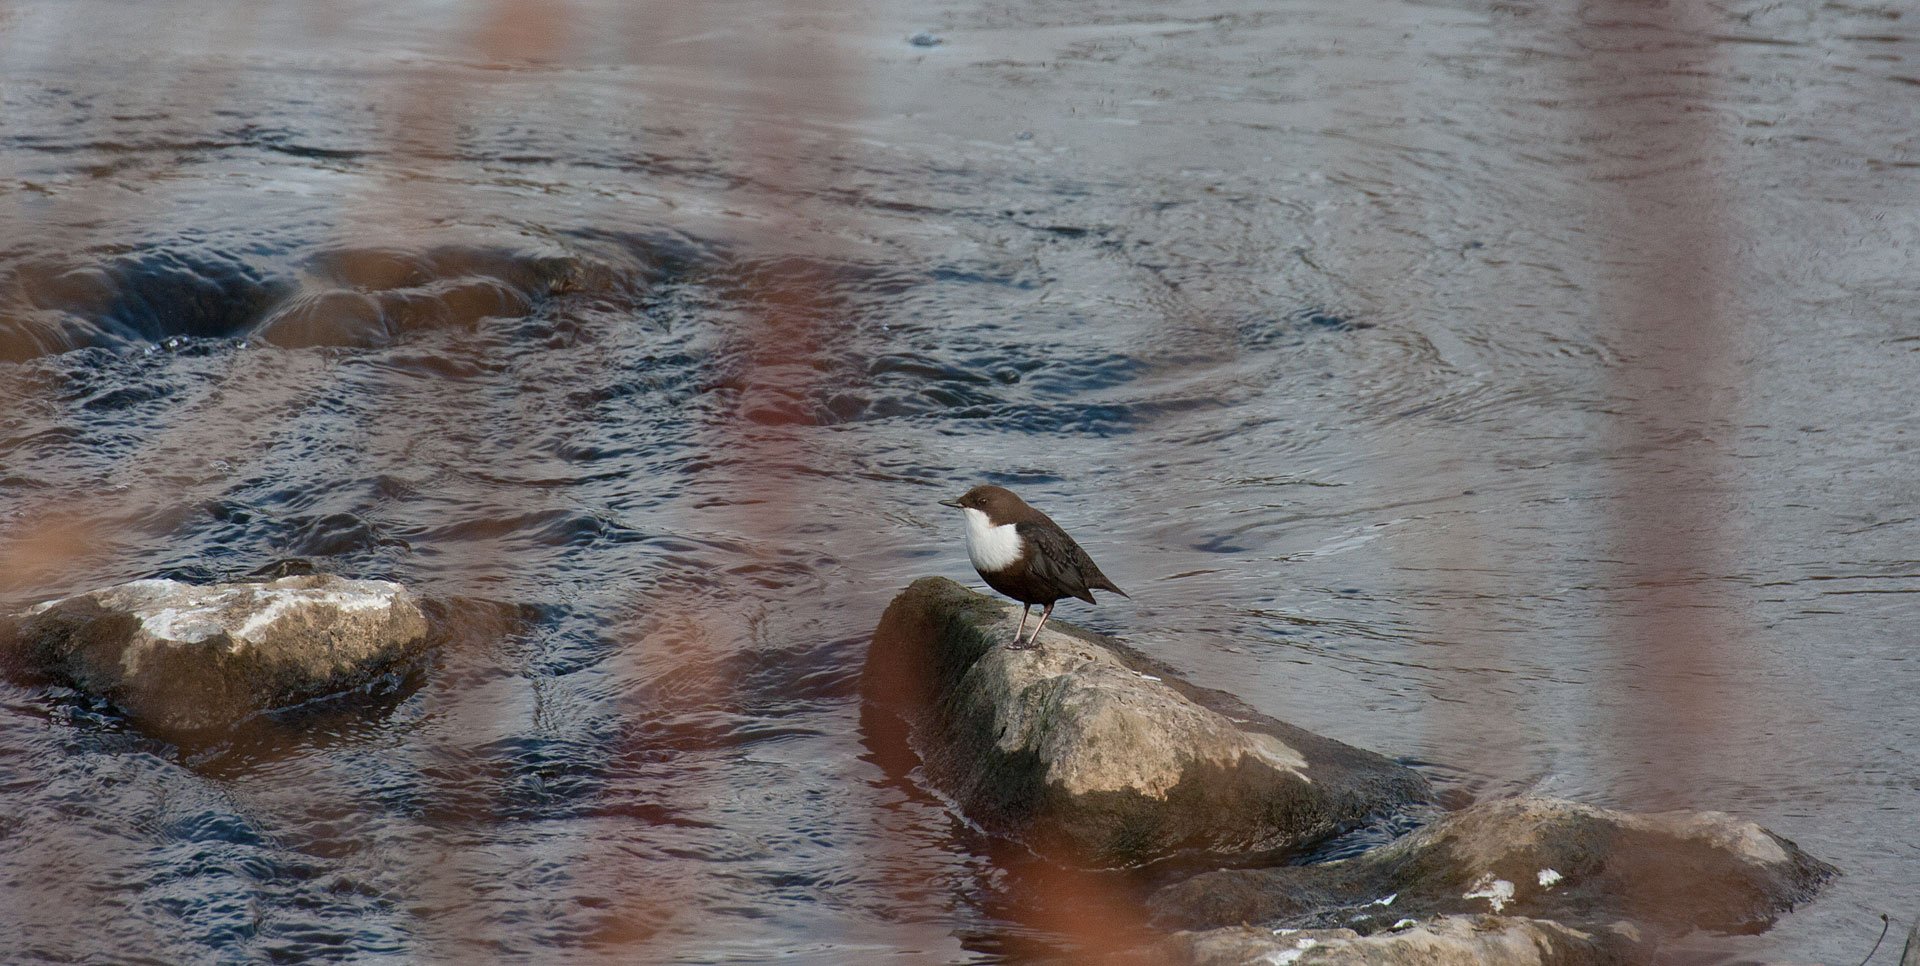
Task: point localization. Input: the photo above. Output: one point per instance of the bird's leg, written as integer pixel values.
(1035, 639)
(1025, 610)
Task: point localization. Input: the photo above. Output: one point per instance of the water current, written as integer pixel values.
(1513, 388)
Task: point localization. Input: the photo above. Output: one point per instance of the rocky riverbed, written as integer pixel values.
(1089, 752)
(1513, 389)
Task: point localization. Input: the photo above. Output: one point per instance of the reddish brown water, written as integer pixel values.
(1520, 390)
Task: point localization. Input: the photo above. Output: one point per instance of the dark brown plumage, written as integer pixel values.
(1023, 554)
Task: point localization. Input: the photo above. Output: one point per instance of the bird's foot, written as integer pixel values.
(1018, 645)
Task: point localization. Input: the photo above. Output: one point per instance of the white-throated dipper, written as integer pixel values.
(1022, 553)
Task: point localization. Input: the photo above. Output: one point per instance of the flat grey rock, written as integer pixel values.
(1091, 753)
(182, 657)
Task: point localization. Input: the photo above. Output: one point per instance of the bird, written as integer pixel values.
(1023, 554)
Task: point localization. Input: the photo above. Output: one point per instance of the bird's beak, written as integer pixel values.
(952, 503)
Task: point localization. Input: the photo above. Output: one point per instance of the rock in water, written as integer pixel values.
(1091, 753)
(1590, 873)
(1445, 941)
(182, 657)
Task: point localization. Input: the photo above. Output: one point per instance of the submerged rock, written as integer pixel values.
(1578, 865)
(183, 657)
(1089, 752)
(1443, 941)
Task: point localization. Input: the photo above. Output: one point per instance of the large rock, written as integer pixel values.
(1091, 753)
(1443, 941)
(182, 657)
(1578, 865)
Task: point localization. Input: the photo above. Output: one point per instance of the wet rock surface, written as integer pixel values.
(1466, 940)
(180, 657)
(1085, 750)
(1092, 754)
(1582, 867)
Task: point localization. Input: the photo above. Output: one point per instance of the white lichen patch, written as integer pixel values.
(1548, 877)
(1497, 892)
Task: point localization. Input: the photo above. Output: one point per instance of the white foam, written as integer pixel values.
(1548, 877)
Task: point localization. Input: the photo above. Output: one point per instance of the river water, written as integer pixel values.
(1522, 390)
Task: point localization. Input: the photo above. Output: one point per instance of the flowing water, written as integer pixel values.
(1523, 390)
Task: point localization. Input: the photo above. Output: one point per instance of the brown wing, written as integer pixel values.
(1062, 565)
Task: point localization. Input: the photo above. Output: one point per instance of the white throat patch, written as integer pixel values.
(990, 547)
